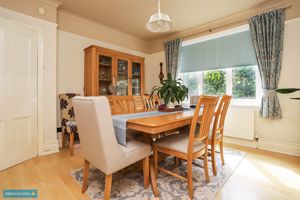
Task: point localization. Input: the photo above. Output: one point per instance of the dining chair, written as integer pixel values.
(68, 122)
(151, 102)
(191, 146)
(123, 104)
(138, 103)
(99, 145)
(216, 134)
(194, 99)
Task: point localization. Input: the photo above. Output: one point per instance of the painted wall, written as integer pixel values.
(30, 7)
(153, 69)
(275, 135)
(70, 63)
(73, 23)
(284, 135)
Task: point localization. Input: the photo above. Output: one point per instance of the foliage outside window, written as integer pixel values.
(214, 82)
(192, 80)
(244, 83)
(241, 82)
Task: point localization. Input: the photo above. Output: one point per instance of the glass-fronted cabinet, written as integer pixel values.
(109, 72)
(105, 74)
(136, 78)
(122, 76)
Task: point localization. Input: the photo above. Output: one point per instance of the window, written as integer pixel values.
(243, 83)
(214, 82)
(222, 63)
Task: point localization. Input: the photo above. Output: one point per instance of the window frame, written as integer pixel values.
(249, 103)
(253, 103)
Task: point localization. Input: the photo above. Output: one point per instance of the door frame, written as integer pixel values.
(34, 24)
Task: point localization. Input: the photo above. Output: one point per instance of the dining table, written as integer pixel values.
(151, 123)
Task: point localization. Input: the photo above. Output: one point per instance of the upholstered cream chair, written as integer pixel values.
(192, 146)
(216, 134)
(99, 145)
(68, 122)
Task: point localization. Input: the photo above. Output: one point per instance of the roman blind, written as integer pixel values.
(229, 51)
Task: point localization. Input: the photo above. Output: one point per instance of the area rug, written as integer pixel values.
(128, 183)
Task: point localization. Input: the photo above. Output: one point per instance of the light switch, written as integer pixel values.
(41, 11)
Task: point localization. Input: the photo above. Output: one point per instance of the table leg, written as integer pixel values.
(153, 179)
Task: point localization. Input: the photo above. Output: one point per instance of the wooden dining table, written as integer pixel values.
(156, 125)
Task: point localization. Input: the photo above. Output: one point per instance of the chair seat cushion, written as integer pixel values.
(71, 126)
(179, 143)
(135, 150)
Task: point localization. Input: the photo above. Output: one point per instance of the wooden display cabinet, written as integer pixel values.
(109, 72)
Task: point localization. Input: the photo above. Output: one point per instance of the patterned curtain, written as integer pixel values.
(172, 51)
(267, 36)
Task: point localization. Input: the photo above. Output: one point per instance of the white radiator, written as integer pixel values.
(239, 123)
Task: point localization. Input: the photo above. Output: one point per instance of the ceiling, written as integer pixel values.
(130, 16)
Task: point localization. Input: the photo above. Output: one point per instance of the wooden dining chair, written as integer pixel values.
(191, 146)
(216, 134)
(151, 102)
(138, 103)
(68, 122)
(123, 104)
(99, 145)
(194, 99)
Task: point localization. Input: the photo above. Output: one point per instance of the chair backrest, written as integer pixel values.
(220, 115)
(151, 102)
(194, 100)
(138, 103)
(66, 107)
(97, 137)
(206, 107)
(123, 104)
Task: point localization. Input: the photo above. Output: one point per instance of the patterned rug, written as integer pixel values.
(128, 183)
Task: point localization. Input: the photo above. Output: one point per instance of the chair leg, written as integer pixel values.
(85, 176)
(146, 171)
(71, 145)
(190, 178)
(155, 160)
(63, 139)
(108, 181)
(206, 165)
(222, 153)
(213, 158)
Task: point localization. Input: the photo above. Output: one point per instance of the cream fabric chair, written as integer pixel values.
(99, 145)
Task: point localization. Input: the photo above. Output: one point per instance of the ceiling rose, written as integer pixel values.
(159, 22)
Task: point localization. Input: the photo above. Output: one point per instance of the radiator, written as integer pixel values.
(240, 123)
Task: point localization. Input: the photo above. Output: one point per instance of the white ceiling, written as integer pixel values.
(130, 16)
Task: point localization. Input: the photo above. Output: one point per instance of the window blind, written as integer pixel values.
(225, 52)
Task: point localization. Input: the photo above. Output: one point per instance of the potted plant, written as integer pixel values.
(172, 91)
(287, 91)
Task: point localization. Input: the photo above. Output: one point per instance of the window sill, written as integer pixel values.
(247, 105)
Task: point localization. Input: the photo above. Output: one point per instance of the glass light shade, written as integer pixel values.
(159, 22)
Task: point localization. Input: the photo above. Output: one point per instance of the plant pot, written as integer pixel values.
(170, 105)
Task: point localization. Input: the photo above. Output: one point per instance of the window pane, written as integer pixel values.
(193, 82)
(214, 82)
(244, 82)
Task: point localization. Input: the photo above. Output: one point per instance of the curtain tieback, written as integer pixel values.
(269, 93)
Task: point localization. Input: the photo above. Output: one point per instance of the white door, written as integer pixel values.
(18, 93)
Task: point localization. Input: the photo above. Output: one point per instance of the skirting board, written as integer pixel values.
(278, 146)
(241, 142)
(50, 148)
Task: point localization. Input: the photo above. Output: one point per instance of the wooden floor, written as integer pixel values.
(261, 175)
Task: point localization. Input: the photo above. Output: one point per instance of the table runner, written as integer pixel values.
(120, 122)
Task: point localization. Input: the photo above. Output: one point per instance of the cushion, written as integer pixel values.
(218, 135)
(179, 142)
